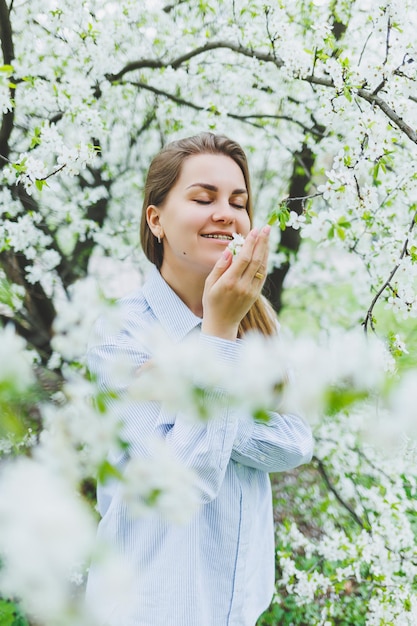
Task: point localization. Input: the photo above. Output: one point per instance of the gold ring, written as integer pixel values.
(259, 275)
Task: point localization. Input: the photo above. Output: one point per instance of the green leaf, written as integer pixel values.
(341, 233)
(347, 93)
(152, 497)
(36, 137)
(200, 400)
(20, 167)
(106, 471)
(10, 614)
(7, 613)
(40, 184)
(261, 415)
(281, 214)
(413, 253)
(338, 399)
(343, 222)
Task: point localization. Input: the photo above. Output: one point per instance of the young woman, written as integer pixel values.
(218, 568)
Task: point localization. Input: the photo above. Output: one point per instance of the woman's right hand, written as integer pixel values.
(231, 288)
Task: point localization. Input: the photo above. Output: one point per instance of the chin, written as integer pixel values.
(205, 267)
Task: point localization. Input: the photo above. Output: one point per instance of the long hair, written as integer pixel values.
(164, 172)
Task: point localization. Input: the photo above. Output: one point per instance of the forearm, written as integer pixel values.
(282, 443)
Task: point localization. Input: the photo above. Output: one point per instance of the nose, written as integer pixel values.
(223, 212)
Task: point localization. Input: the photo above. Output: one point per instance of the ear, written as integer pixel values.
(152, 217)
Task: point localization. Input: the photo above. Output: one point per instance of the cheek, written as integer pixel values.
(244, 224)
(195, 223)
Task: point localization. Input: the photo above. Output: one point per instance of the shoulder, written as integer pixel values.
(126, 316)
(133, 306)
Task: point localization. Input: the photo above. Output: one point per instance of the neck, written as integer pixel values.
(187, 287)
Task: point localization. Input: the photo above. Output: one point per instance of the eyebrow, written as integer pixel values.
(235, 192)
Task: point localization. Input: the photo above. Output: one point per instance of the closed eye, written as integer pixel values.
(205, 202)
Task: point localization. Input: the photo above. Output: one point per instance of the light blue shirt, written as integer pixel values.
(218, 568)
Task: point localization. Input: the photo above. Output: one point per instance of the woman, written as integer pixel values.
(217, 569)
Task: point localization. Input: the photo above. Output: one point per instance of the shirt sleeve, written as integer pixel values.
(281, 443)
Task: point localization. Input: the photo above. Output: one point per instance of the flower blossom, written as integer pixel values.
(158, 484)
(237, 243)
(296, 221)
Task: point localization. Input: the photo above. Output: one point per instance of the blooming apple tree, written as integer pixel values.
(322, 95)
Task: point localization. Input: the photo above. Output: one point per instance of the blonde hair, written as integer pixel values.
(162, 175)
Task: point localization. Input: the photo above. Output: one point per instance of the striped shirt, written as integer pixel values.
(217, 569)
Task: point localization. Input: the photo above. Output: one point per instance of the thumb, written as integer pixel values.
(221, 266)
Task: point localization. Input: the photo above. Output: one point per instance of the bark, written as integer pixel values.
(7, 48)
(290, 238)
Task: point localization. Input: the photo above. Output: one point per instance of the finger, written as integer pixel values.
(220, 267)
(243, 259)
(262, 268)
(256, 268)
(262, 246)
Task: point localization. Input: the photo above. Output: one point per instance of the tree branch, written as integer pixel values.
(363, 93)
(368, 318)
(322, 470)
(8, 56)
(243, 118)
(389, 112)
(176, 63)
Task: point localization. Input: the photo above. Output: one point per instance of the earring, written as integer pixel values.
(159, 239)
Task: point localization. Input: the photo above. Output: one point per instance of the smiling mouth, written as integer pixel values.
(221, 237)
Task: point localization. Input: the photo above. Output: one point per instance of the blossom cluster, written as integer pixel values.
(368, 534)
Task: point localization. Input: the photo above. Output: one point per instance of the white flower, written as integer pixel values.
(5, 101)
(75, 159)
(24, 236)
(296, 221)
(160, 484)
(15, 361)
(341, 360)
(76, 437)
(46, 531)
(177, 373)
(398, 345)
(76, 313)
(237, 243)
(402, 417)
(260, 372)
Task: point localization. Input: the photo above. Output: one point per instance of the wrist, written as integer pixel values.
(228, 332)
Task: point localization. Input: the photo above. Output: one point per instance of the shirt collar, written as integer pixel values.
(171, 312)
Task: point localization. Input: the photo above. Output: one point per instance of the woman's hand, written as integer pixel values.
(232, 287)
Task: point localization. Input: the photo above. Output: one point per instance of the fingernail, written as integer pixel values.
(225, 253)
(266, 229)
(254, 232)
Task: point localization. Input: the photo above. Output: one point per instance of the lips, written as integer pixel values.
(220, 236)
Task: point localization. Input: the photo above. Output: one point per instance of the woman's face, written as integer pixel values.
(200, 214)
